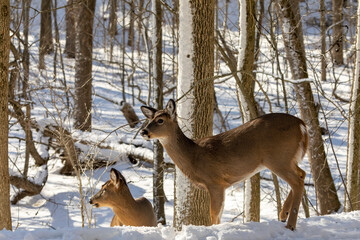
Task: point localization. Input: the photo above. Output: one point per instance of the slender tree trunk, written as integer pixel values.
(139, 23)
(352, 202)
(5, 213)
(158, 174)
(337, 45)
(83, 66)
(246, 92)
(26, 66)
(46, 44)
(195, 106)
(131, 24)
(323, 39)
(123, 49)
(288, 12)
(112, 25)
(70, 20)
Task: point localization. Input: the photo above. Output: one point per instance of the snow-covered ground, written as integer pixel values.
(55, 213)
(336, 226)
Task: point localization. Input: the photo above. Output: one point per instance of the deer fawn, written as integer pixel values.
(116, 195)
(274, 141)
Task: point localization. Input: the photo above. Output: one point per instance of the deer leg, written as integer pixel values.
(216, 203)
(286, 207)
(294, 176)
(297, 186)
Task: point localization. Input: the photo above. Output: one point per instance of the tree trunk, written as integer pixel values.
(337, 44)
(195, 106)
(158, 174)
(131, 24)
(112, 25)
(246, 94)
(26, 64)
(5, 213)
(83, 65)
(352, 202)
(289, 15)
(323, 39)
(46, 43)
(70, 19)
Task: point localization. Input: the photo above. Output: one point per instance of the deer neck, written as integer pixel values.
(182, 150)
(126, 204)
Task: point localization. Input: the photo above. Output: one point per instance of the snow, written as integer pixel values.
(336, 226)
(56, 213)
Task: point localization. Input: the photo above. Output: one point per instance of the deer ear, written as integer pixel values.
(115, 177)
(149, 112)
(171, 108)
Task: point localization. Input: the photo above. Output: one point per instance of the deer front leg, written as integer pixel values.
(216, 203)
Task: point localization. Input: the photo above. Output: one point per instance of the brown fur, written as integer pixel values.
(274, 141)
(116, 195)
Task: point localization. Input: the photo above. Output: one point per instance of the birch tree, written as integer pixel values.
(158, 174)
(289, 15)
(195, 105)
(352, 202)
(5, 214)
(246, 93)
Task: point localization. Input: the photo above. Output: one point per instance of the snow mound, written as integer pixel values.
(336, 226)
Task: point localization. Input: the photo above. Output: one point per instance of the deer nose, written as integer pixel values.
(144, 132)
(91, 201)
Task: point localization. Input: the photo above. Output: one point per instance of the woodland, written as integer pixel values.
(75, 73)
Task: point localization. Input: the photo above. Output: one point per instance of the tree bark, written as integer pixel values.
(46, 43)
(289, 15)
(70, 20)
(5, 213)
(112, 25)
(195, 106)
(337, 44)
(83, 65)
(158, 174)
(246, 94)
(323, 39)
(352, 195)
(131, 24)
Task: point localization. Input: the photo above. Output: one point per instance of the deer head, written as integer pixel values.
(160, 122)
(108, 192)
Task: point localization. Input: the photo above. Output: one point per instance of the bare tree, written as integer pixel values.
(46, 43)
(131, 35)
(83, 65)
(5, 213)
(112, 25)
(323, 39)
(246, 85)
(289, 15)
(195, 106)
(352, 195)
(337, 44)
(70, 16)
(158, 174)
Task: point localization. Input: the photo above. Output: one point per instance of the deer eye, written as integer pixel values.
(160, 121)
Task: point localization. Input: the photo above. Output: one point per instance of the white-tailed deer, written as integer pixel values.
(274, 141)
(116, 195)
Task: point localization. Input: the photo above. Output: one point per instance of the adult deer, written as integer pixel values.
(116, 195)
(274, 141)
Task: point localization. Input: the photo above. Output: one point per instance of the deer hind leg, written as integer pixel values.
(216, 204)
(294, 176)
(286, 207)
